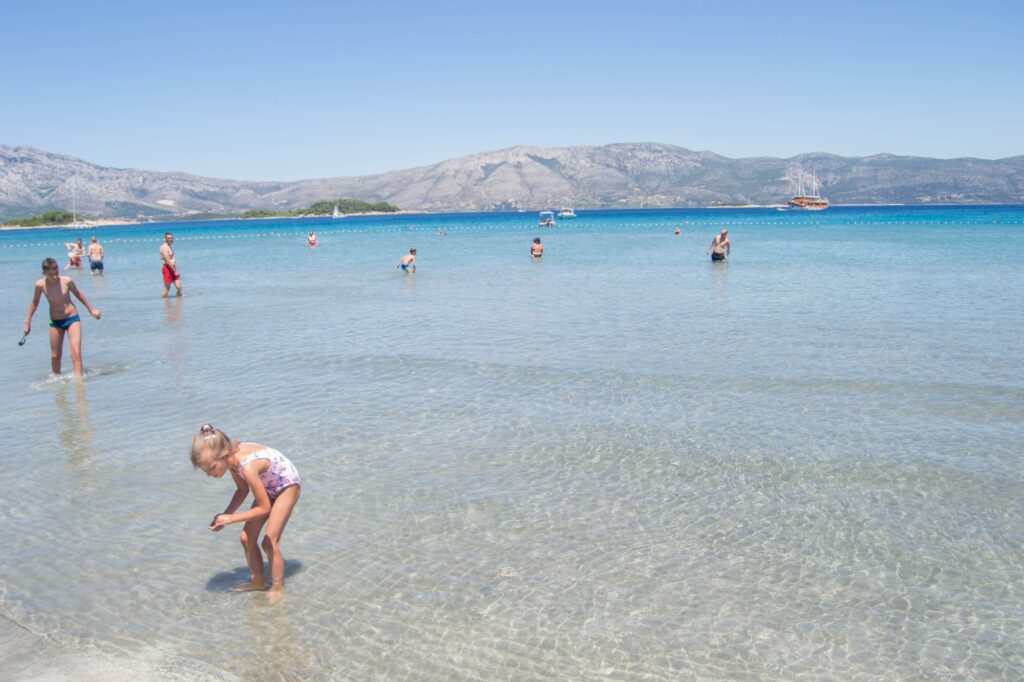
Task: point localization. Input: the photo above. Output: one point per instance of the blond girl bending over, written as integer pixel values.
(275, 486)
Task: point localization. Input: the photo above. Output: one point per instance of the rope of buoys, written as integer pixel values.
(698, 222)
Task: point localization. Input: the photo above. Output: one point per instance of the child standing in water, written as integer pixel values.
(275, 486)
(63, 314)
(75, 252)
(407, 262)
(536, 249)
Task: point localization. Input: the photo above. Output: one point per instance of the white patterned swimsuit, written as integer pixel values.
(279, 475)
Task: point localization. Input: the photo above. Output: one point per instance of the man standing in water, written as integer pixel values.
(720, 247)
(64, 318)
(95, 257)
(170, 266)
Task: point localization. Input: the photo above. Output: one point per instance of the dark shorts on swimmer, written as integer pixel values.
(405, 267)
(95, 265)
(170, 275)
(717, 256)
(65, 323)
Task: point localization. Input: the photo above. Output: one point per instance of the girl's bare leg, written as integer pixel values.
(280, 512)
(56, 348)
(75, 343)
(253, 557)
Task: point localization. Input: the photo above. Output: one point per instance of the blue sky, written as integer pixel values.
(260, 91)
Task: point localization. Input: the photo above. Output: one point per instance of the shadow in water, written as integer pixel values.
(720, 280)
(75, 435)
(225, 580)
(172, 309)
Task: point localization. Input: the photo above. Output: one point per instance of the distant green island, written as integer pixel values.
(345, 206)
(48, 218)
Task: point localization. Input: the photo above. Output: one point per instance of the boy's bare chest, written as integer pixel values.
(56, 292)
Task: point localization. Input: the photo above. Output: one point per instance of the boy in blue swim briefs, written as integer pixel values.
(408, 262)
(63, 314)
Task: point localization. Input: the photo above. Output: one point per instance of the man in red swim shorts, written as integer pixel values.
(170, 267)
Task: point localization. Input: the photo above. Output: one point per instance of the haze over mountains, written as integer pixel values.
(522, 177)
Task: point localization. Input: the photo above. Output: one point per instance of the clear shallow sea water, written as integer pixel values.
(623, 462)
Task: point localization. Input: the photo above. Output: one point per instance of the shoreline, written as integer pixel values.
(124, 222)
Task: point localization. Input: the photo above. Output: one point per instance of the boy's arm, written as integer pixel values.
(81, 297)
(38, 291)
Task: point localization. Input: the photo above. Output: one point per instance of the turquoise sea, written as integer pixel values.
(623, 462)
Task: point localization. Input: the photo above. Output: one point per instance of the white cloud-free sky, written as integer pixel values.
(260, 91)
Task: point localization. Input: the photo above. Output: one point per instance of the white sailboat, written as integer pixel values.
(337, 213)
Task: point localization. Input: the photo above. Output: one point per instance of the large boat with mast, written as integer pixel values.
(809, 202)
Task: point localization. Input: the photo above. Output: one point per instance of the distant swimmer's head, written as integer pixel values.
(536, 240)
(725, 232)
(79, 241)
(49, 265)
(678, 230)
(168, 237)
(209, 447)
(412, 251)
(93, 240)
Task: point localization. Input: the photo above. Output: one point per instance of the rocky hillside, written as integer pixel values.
(524, 177)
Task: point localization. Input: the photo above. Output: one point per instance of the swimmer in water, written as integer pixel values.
(169, 266)
(64, 318)
(720, 248)
(408, 262)
(95, 253)
(75, 253)
(536, 249)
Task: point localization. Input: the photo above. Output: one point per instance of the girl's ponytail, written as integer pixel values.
(209, 444)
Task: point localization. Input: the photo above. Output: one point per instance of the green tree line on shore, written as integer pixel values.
(48, 218)
(325, 208)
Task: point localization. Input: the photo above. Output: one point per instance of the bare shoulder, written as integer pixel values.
(246, 449)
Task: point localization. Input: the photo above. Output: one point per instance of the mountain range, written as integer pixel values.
(522, 177)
